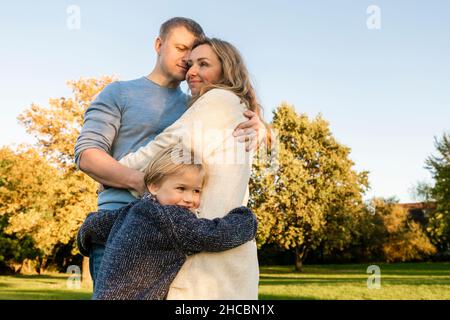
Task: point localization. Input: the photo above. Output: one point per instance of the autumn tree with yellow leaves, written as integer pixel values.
(388, 233)
(49, 198)
(24, 179)
(404, 239)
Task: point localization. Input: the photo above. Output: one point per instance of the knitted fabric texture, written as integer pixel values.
(147, 244)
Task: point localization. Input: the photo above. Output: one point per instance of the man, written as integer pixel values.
(128, 114)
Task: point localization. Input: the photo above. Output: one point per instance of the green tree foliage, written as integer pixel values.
(27, 196)
(439, 220)
(14, 249)
(311, 197)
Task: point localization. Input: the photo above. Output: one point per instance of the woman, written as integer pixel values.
(221, 92)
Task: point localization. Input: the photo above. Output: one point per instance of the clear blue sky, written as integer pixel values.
(385, 92)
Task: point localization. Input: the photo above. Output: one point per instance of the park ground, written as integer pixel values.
(415, 281)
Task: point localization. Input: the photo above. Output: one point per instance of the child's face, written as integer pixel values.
(183, 189)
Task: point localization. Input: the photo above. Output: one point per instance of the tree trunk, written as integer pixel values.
(322, 260)
(41, 264)
(26, 267)
(85, 273)
(299, 257)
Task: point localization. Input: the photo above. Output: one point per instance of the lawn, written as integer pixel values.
(40, 287)
(398, 281)
(333, 282)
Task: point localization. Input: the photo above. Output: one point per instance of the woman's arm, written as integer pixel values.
(203, 127)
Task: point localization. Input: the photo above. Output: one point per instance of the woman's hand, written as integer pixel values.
(251, 132)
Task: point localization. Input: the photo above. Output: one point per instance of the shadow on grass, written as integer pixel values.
(40, 280)
(310, 270)
(296, 282)
(395, 269)
(327, 282)
(56, 277)
(45, 295)
(38, 276)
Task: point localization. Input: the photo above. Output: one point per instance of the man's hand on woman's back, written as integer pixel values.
(251, 131)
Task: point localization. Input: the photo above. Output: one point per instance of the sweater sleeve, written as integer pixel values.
(203, 127)
(96, 228)
(101, 122)
(194, 235)
(208, 126)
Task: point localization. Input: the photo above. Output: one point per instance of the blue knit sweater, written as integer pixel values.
(147, 244)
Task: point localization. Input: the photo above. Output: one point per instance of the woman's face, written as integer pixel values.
(204, 68)
(182, 190)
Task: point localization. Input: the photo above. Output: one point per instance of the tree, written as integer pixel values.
(312, 196)
(439, 220)
(27, 195)
(56, 129)
(403, 238)
(384, 231)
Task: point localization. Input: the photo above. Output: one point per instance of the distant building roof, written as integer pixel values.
(418, 211)
(418, 205)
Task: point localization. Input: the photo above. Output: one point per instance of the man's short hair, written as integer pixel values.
(176, 22)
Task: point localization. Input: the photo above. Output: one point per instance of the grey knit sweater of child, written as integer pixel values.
(147, 244)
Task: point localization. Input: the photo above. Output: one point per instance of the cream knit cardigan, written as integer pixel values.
(207, 127)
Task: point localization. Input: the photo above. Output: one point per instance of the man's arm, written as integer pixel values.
(252, 131)
(104, 169)
(102, 122)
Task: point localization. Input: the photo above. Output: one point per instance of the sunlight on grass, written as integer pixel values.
(398, 281)
(40, 287)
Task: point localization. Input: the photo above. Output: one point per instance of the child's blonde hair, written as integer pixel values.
(172, 161)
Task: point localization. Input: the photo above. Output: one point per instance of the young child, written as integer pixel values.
(148, 240)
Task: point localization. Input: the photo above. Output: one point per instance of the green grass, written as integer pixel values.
(398, 281)
(415, 281)
(40, 287)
